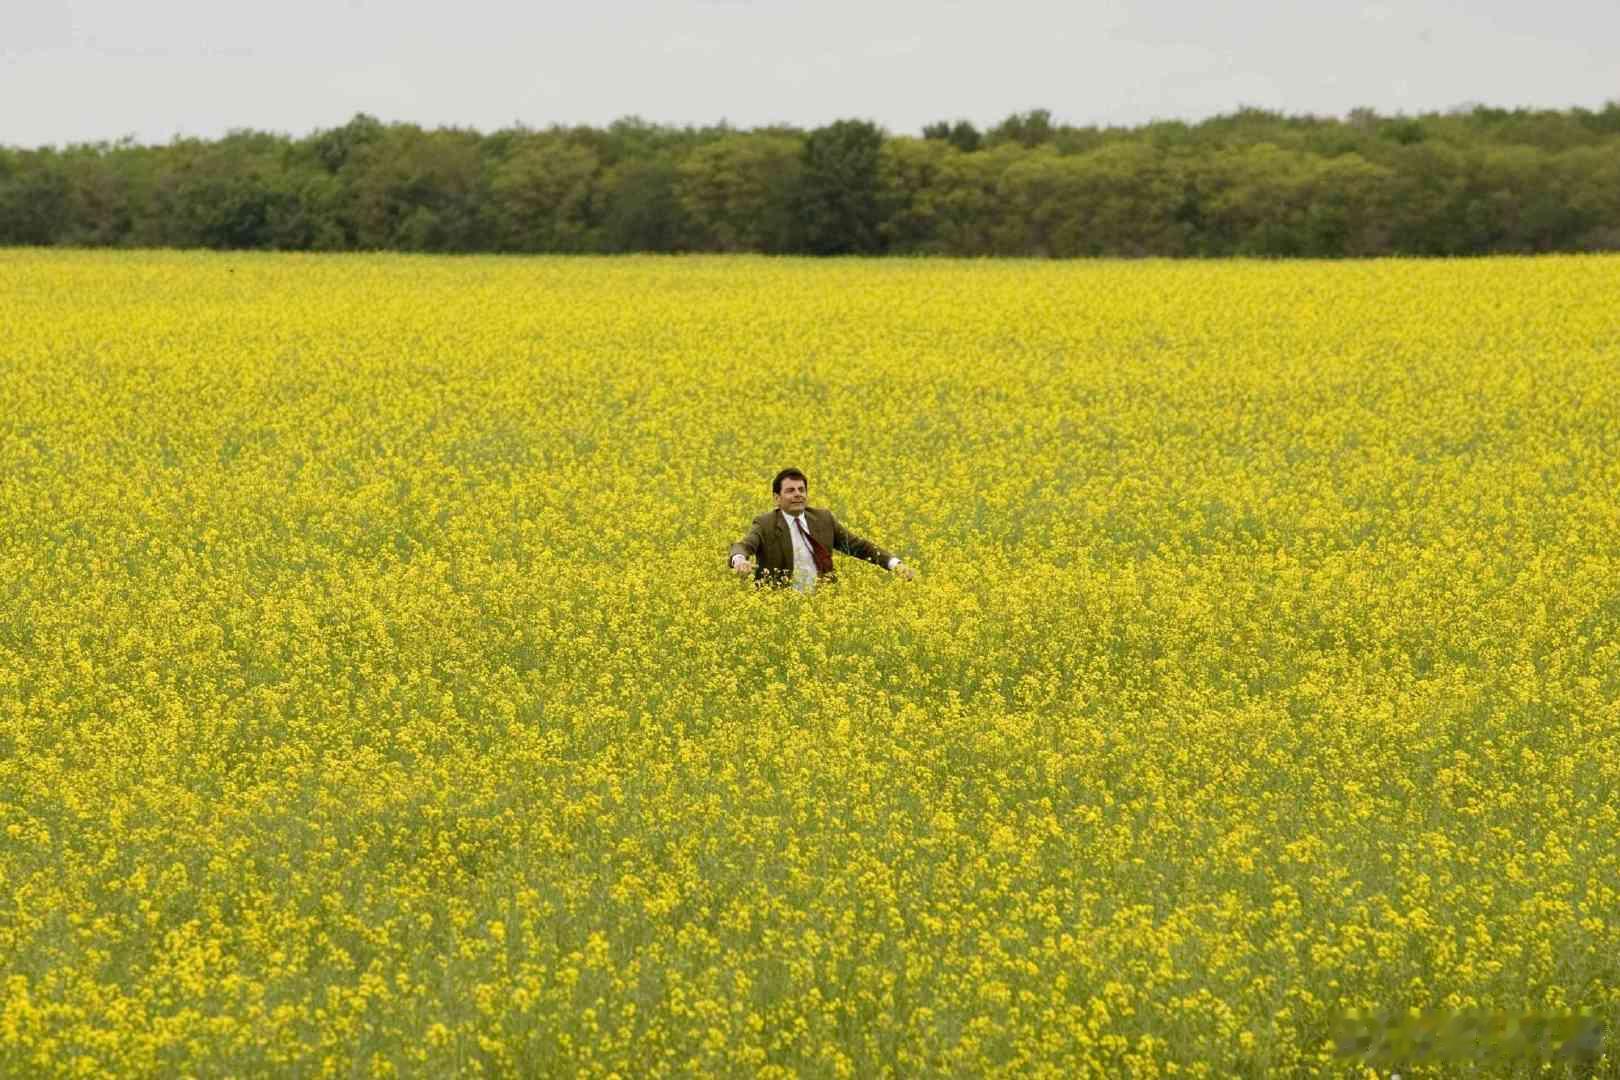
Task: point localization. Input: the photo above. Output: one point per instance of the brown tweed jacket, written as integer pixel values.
(769, 544)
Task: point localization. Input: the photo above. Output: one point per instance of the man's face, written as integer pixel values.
(793, 494)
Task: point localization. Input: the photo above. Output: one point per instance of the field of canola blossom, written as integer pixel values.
(374, 700)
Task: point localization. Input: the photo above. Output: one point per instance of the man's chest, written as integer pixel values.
(792, 536)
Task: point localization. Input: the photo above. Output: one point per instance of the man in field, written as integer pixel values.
(794, 543)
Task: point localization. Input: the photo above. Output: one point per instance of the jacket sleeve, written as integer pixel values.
(850, 544)
(748, 545)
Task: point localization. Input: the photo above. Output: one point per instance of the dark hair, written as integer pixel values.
(788, 474)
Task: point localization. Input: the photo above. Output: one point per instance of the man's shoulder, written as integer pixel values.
(764, 519)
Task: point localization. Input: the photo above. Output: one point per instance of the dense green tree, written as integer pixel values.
(542, 196)
(642, 208)
(334, 148)
(1040, 195)
(302, 213)
(1027, 129)
(1603, 122)
(415, 190)
(1431, 192)
(961, 134)
(220, 194)
(1591, 181)
(1119, 199)
(969, 208)
(33, 196)
(1348, 207)
(836, 203)
(107, 187)
(1130, 201)
(910, 178)
(738, 191)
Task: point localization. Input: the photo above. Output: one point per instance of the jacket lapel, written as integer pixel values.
(784, 542)
(820, 526)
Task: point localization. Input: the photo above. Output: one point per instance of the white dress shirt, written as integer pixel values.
(804, 558)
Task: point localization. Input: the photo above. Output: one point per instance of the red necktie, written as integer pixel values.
(822, 556)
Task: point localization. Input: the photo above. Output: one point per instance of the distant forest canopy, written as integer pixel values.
(1467, 182)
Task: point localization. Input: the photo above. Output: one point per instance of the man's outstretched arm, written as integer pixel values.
(850, 544)
(744, 550)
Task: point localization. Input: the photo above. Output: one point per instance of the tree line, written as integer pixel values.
(1253, 182)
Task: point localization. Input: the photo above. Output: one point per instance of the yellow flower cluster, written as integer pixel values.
(374, 699)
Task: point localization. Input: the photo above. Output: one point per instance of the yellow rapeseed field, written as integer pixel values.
(374, 699)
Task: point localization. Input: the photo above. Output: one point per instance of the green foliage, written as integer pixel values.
(1028, 129)
(911, 173)
(642, 208)
(1475, 180)
(542, 196)
(837, 195)
(962, 135)
(334, 148)
(33, 196)
(738, 191)
(415, 190)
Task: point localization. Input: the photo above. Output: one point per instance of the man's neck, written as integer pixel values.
(792, 513)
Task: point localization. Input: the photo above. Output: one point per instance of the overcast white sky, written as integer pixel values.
(83, 70)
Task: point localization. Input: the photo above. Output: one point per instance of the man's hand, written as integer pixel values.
(904, 571)
(742, 567)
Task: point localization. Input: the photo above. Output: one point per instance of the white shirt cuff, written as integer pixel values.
(894, 561)
(734, 559)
